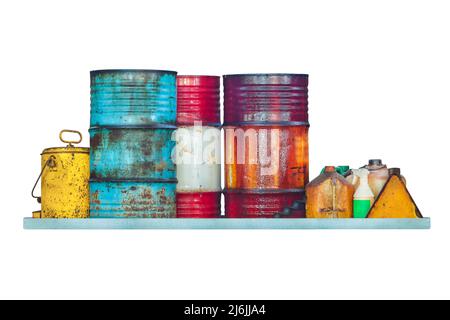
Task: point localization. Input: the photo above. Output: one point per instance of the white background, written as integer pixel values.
(379, 87)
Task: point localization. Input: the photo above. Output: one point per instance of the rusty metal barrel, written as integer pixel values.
(266, 145)
(198, 147)
(133, 115)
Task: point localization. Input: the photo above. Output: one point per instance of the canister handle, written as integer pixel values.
(51, 162)
(70, 142)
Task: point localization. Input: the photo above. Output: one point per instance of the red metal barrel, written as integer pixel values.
(198, 204)
(198, 147)
(198, 99)
(266, 144)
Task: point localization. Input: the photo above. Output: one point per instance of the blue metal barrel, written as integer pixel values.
(133, 115)
(133, 97)
(132, 153)
(132, 199)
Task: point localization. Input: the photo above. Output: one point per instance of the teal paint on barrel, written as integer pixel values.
(132, 153)
(132, 199)
(133, 97)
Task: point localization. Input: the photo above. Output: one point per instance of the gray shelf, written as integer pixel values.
(223, 223)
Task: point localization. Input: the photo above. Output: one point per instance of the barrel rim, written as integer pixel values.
(100, 71)
(262, 191)
(182, 124)
(141, 180)
(150, 126)
(266, 124)
(199, 193)
(305, 75)
(65, 150)
(197, 76)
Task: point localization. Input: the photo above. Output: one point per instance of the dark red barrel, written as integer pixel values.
(198, 133)
(266, 99)
(198, 99)
(266, 145)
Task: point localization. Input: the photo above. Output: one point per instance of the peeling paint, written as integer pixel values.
(133, 199)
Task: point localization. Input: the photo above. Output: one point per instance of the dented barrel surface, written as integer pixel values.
(266, 144)
(132, 199)
(133, 97)
(132, 153)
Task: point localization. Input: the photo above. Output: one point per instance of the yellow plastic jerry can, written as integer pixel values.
(65, 181)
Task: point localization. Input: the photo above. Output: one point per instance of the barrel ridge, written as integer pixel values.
(132, 97)
(252, 98)
(198, 100)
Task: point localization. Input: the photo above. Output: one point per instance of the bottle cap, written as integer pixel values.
(394, 171)
(330, 169)
(375, 162)
(343, 170)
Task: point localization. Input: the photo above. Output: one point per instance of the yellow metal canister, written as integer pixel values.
(65, 181)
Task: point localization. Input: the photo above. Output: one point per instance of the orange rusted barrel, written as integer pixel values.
(266, 145)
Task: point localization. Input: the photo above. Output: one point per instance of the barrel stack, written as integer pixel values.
(133, 115)
(198, 147)
(266, 145)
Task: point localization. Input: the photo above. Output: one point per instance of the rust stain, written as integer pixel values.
(147, 194)
(163, 199)
(96, 140)
(94, 197)
(160, 166)
(115, 135)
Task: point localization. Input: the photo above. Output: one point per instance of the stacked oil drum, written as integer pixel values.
(198, 153)
(266, 145)
(133, 115)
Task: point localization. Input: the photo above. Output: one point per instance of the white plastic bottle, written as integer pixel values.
(363, 197)
(378, 175)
